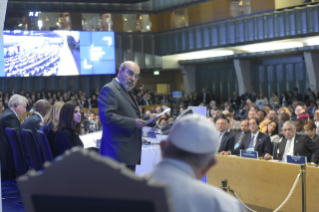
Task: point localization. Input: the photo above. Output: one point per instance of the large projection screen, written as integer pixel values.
(56, 53)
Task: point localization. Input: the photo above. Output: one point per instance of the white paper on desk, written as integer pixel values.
(200, 110)
(167, 110)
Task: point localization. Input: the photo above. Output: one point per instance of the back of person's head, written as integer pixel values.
(193, 139)
(43, 106)
(53, 116)
(67, 118)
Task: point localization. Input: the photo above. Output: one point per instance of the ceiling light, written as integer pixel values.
(206, 54)
(271, 46)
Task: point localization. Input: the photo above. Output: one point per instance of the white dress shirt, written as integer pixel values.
(289, 149)
(255, 138)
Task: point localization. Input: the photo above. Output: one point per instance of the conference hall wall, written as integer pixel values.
(280, 73)
(219, 78)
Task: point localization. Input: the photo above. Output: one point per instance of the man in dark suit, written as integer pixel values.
(9, 119)
(226, 140)
(235, 101)
(255, 141)
(32, 123)
(239, 136)
(121, 118)
(294, 144)
(204, 97)
(297, 96)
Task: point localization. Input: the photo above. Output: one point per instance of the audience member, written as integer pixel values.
(252, 114)
(186, 159)
(239, 136)
(294, 144)
(69, 128)
(245, 95)
(316, 120)
(272, 131)
(254, 141)
(226, 140)
(310, 129)
(32, 123)
(274, 98)
(9, 119)
(299, 127)
(261, 101)
(49, 126)
(297, 95)
(235, 101)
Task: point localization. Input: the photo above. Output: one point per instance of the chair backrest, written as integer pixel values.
(275, 146)
(44, 145)
(102, 184)
(33, 150)
(19, 160)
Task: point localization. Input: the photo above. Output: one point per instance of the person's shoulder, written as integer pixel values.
(216, 196)
(302, 137)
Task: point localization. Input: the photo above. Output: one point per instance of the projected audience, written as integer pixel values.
(37, 62)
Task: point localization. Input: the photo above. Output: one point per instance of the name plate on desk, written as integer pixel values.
(296, 159)
(248, 154)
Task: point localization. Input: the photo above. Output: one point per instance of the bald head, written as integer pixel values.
(129, 74)
(43, 106)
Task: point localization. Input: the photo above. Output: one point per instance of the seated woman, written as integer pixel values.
(272, 131)
(69, 128)
(49, 126)
(310, 129)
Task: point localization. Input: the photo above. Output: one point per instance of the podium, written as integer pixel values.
(264, 185)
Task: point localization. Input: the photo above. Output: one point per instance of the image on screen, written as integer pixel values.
(56, 53)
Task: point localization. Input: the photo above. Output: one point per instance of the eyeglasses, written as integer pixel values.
(131, 74)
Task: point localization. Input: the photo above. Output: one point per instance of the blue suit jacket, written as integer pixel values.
(263, 144)
(227, 143)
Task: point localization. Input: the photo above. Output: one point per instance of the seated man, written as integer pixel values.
(244, 131)
(226, 140)
(255, 141)
(294, 144)
(299, 127)
(188, 154)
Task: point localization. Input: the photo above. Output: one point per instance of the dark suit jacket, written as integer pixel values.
(121, 139)
(51, 135)
(303, 146)
(237, 137)
(10, 120)
(32, 123)
(227, 143)
(66, 139)
(263, 144)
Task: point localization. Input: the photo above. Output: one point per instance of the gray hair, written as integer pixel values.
(193, 159)
(289, 123)
(16, 100)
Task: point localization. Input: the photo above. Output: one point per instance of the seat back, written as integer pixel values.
(33, 150)
(19, 160)
(44, 145)
(102, 184)
(275, 146)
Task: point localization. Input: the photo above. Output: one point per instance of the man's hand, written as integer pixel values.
(140, 123)
(224, 153)
(267, 156)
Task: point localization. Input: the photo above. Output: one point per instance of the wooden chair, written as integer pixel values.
(83, 181)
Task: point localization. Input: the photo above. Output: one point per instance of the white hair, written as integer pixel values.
(289, 123)
(16, 99)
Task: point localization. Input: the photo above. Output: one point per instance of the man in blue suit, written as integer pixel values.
(254, 141)
(226, 140)
(32, 123)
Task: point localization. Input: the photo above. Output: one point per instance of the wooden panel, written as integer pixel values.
(261, 5)
(117, 20)
(220, 9)
(265, 183)
(287, 3)
(154, 27)
(164, 21)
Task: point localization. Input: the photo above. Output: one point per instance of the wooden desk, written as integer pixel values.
(266, 184)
